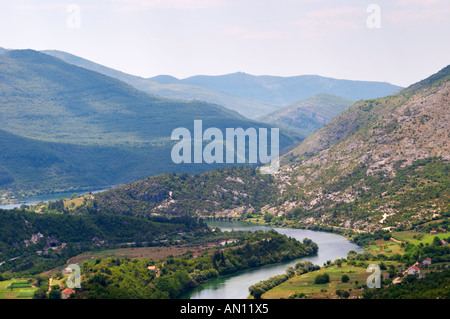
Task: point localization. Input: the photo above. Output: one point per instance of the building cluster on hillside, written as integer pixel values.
(414, 270)
(52, 247)
(226, 242)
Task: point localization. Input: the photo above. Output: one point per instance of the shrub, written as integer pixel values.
(322, 279)
(345, 278)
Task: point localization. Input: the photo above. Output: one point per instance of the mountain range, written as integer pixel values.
(70, 123)
(283, 91)
(380, 164)
(246, 107)
(251, 96)
(106, 130)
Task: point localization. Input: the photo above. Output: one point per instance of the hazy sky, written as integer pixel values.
(398, 41)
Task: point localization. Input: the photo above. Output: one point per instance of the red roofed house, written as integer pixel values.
(413, 270)
(66, 293)
(427, 261)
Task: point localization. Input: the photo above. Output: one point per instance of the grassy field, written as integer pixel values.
(386, 248)
(304, 284)
(416, 237)
(394, 246)
(16, 289)
(71, 204)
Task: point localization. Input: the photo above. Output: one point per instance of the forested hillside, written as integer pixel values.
(104, 131)
(380, 163)
(25, 236)
(215, 193)
(124, 278)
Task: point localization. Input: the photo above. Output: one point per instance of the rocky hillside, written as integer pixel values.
(382, 163)
(230, 192)
(378, 164)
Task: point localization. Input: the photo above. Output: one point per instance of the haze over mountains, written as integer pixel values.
(307, 116)
(283, 91)
(251, 96)
(247, 107)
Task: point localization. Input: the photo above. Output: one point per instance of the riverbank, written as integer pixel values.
(347, 233)
(331, 247)
(16, 201)
(180, 274)
(400, 263)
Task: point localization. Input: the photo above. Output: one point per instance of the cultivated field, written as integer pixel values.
(16, 289)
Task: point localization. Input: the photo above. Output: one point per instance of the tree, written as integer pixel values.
(290, 271)
(257, 292)
(40, 294)
(322, 279)
(342, 293)
(345, 278)
(54, 294)
(436, 241)
(268, 217)
(253, 261)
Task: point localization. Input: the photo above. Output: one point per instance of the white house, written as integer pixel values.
(427, 261)
(413, 270)
(67, 271)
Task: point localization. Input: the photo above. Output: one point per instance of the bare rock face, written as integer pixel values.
(34, 239)
(370, 144)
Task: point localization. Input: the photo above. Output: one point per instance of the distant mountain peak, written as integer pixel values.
(164, 79)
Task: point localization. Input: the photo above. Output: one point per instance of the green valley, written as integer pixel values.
(375, 171)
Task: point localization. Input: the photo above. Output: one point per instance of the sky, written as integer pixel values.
(396, 41)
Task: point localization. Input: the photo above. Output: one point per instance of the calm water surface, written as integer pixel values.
(46, 198)
(235, 286)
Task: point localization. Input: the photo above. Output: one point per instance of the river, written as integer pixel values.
(47, 198)
(235, 286)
